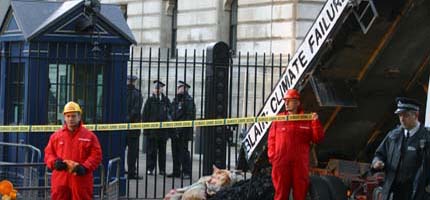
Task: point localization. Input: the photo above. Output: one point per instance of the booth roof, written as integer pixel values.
(33, 17)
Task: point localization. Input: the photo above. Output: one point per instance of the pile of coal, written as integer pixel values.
(258, 187)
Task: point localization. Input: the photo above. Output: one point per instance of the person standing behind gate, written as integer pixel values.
(400, 156)
(288, 149)
(183, 108)
(156, 109)
(73, 153)
(134, 106)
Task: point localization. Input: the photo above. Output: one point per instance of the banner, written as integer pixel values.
(304, 55)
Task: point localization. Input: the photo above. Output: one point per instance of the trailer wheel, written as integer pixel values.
(337, 188)
(318, 189)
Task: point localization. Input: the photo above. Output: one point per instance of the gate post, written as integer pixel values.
(216, 106)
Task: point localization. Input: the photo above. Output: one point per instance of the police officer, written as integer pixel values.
(400, 155)
(156, 109)
(183, 108)
(134, 106)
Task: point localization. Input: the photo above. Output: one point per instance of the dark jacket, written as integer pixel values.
(134, 104)
(422, 179)
(389, 152)
(183, 108)
(156, 110)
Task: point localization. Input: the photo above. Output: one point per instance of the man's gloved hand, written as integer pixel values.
(60, 165)
(71, 165)
(79, 170)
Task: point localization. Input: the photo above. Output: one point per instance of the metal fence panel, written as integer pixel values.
(19, 164)
(112, 179)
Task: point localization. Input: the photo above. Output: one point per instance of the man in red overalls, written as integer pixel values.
(288, 149)
(73, 153)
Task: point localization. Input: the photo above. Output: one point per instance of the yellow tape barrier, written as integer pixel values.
(158, 125)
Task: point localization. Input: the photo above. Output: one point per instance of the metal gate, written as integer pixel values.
(251, 78)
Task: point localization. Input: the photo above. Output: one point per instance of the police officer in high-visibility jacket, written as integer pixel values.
(73, 153)
(288, 149)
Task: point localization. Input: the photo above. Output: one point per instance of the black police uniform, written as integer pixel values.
(134, 105)
(183, 108)
(402, 156)
(156, 109)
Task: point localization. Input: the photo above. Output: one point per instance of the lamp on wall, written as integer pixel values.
(91, 8)
(88, 25)
(96, 50)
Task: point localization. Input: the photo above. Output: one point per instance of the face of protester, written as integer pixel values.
(408, 119)
(72, 120)
(292, 105)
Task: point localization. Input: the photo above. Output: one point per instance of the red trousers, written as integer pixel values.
(71, 193)
(290, 175)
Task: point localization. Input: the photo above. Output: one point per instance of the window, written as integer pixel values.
(80, 83)
(233, 27)
(15, 93)
(174, 29)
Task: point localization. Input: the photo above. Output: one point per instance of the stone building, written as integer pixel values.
(276, 26)
(254, 26)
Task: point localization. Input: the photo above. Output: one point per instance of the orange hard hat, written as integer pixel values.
(72, 107)
(292, 94)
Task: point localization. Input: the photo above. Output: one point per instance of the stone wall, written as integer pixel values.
(263, 25)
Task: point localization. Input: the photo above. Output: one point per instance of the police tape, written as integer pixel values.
(160, 125)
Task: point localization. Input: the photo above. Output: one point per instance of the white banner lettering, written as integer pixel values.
(313, 41)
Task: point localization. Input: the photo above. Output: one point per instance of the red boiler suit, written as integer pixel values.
(81, 146)
(288, 152)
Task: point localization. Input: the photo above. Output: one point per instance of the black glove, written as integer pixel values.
(60, 165)
(79, 170)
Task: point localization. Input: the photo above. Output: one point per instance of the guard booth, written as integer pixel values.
(54, 52)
